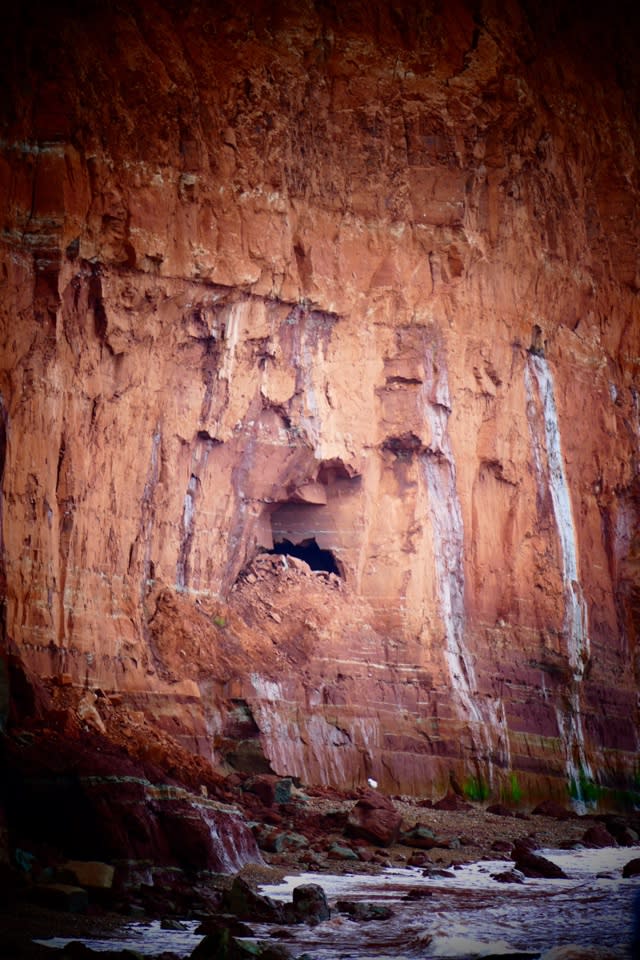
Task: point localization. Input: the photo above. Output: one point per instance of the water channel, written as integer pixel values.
(464, 914)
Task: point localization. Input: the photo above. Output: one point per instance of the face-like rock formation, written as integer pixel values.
(357, 284)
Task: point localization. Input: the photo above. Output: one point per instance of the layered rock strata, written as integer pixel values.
(362, 280)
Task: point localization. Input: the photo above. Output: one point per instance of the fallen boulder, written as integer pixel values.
(631, 868)
(310, 904)
(170, 923)
(432, 871)
(525, 845)
(624, 832)
(91, 873)
(418, 859)
(375, 818)
(551, 808)
(76, 950)
(502, 846)
(223, 945)
(211, 926)
(451, 801)
(500, 810)
(508, 876)
(627, 837)
(418, 893)
(338, 851)
(535, 866)
(269, 788)
(61, 896)
(361, 911)
(273, 840)
(578, 951)
(246, 904)
(421, 837)
(598, 836)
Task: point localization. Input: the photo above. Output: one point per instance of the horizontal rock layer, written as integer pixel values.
(365, 279)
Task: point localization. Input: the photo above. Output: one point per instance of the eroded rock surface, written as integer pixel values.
(365, 281)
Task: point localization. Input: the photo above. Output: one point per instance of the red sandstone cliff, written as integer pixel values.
(364, 274)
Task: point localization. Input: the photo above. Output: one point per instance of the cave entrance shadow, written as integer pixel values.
(310, 552)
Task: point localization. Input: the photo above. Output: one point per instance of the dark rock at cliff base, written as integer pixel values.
(432, 871)
(502, 846)
(418, 859)
(215, 946)
(419, 893)
(451, 801)
(278, 841)
(270, 789)
(421, 837)
(598, 836)
(211, 926)
(626, 833)
(310, 904)
(222, 945)
(375, 818)
(94, 800)
(358, 910)
(631, 868)
(246, 904)
(269, 951)
(627, 837)
(533, 865)
(338, 851)
(76, 950)
(500, 810)
(550, 808)
(525, 845)
(61, 896)
(508, 876)
(515, 955)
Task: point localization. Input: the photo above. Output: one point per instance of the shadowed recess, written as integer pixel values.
(310, 552)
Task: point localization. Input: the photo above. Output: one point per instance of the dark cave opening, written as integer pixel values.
(310, 552)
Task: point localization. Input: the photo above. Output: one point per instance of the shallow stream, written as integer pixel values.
(465, 914)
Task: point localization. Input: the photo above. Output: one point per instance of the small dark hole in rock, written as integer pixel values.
(310, 552)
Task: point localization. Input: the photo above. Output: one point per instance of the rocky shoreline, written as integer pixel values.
(104, 826)
(323, 832)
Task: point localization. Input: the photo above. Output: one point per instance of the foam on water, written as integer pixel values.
(465, 913)
(470, 914)
(462, 946)
(146, 938)
(577, 864)
(586, 862)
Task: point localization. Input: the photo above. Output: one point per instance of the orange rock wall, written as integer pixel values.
(295, 268)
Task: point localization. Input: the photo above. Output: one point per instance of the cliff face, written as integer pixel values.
(365, 279)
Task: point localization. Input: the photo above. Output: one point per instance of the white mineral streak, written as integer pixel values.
(292, 742)
(572, 736)
(235, 320)
(448, 547)
(546, 446)
(280, 733)
(309, 361)
(576, 626)
(188, 511)
(230, 837)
